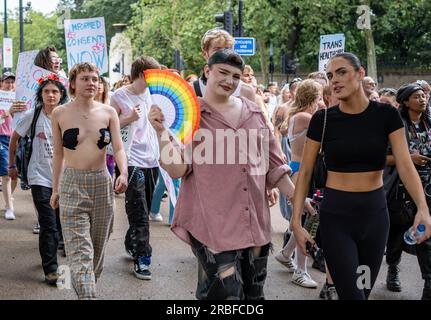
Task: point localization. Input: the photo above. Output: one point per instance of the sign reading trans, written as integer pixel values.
(245, 46)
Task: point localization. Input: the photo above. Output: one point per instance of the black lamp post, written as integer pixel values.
(21, 23)
(5, 18)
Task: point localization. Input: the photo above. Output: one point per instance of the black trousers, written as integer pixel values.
(138, 196)
(354, 228)
(50, 227)
(395, 245)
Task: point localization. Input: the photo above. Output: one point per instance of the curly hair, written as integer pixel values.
(308, 92)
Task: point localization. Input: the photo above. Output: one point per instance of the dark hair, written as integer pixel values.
(64, 97)
(227, 56)
(351, 58)
(404, 93)
(43, 58)
(141, 64)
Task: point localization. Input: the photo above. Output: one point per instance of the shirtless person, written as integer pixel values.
(81, 131)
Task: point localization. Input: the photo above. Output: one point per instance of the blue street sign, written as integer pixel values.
(245, 46)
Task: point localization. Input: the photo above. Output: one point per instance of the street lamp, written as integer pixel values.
(5, 19)
(21, 23)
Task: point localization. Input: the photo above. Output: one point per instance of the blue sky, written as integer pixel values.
(44, 6)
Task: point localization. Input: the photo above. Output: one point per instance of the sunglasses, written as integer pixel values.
(56, 60)
(421, 82)
(295, 80)
(390, 91)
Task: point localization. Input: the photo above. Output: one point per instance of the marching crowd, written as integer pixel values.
(370, 147)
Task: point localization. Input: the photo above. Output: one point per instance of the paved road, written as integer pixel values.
(174, 267)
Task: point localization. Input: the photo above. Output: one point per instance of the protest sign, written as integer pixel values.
(86, 42)
(6, 99)
(330, 45)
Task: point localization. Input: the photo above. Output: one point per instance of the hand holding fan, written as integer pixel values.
(178, 102)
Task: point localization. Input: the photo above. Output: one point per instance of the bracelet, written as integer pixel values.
(12, 167)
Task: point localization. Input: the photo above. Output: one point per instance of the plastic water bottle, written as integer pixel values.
(409, 235)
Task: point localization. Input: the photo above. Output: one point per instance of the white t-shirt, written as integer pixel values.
(144, 151)
(39, 170)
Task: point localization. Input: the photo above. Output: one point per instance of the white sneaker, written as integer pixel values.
(36, 228)
(156, 217)
(287, 262)
(9, 215)
(303, 279)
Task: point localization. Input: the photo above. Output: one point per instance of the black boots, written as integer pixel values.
(426, 294)
(393, 280)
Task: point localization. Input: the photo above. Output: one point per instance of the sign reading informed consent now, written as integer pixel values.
(330, 45)
(86, 42)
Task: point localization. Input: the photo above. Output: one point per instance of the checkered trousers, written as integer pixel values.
(87, 214)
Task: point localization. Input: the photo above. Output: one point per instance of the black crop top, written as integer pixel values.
(355, 142)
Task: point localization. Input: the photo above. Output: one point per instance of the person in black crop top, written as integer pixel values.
(354, 220)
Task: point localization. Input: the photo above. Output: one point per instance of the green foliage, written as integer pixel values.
(401, 29)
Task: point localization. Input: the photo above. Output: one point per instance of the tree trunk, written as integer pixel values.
(263, 59)
(371, 51)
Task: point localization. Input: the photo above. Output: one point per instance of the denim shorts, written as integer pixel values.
(4, 155)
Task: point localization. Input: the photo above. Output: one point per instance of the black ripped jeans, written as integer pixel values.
(246, 283)
(138, 201)
(50, 227)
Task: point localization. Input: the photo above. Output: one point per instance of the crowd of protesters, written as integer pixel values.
(375, 143)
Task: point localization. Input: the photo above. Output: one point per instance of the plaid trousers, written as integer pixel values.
(87, 214)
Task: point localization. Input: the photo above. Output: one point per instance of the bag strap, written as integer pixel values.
(197, 88)
(323, 131)
(37, 112)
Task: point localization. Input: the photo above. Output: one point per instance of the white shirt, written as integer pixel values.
(39, 170)
(144, 151)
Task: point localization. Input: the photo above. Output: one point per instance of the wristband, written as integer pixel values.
(12, 167)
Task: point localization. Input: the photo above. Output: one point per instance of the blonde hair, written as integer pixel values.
(77, 69)
(214, 35)
(307, 93)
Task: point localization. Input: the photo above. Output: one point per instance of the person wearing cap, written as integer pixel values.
(8, 184)
(417, 123)
(222, 211)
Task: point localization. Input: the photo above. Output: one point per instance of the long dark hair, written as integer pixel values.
(404, 112)
(64, 97)
(43, 58)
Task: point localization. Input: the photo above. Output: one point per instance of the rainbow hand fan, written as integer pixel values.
(178, 102)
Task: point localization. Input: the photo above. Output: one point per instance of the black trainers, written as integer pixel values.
(51, 278)
(393, 282)
(319, 262)
(142, 268)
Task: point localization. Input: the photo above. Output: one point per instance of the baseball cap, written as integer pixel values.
(7, 75)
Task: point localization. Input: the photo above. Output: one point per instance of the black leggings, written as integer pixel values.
(354, 227)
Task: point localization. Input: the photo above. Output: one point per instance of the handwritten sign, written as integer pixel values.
(126, 136)
(6, 99)
(330, 45)
(27, 75)
(86, 42)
